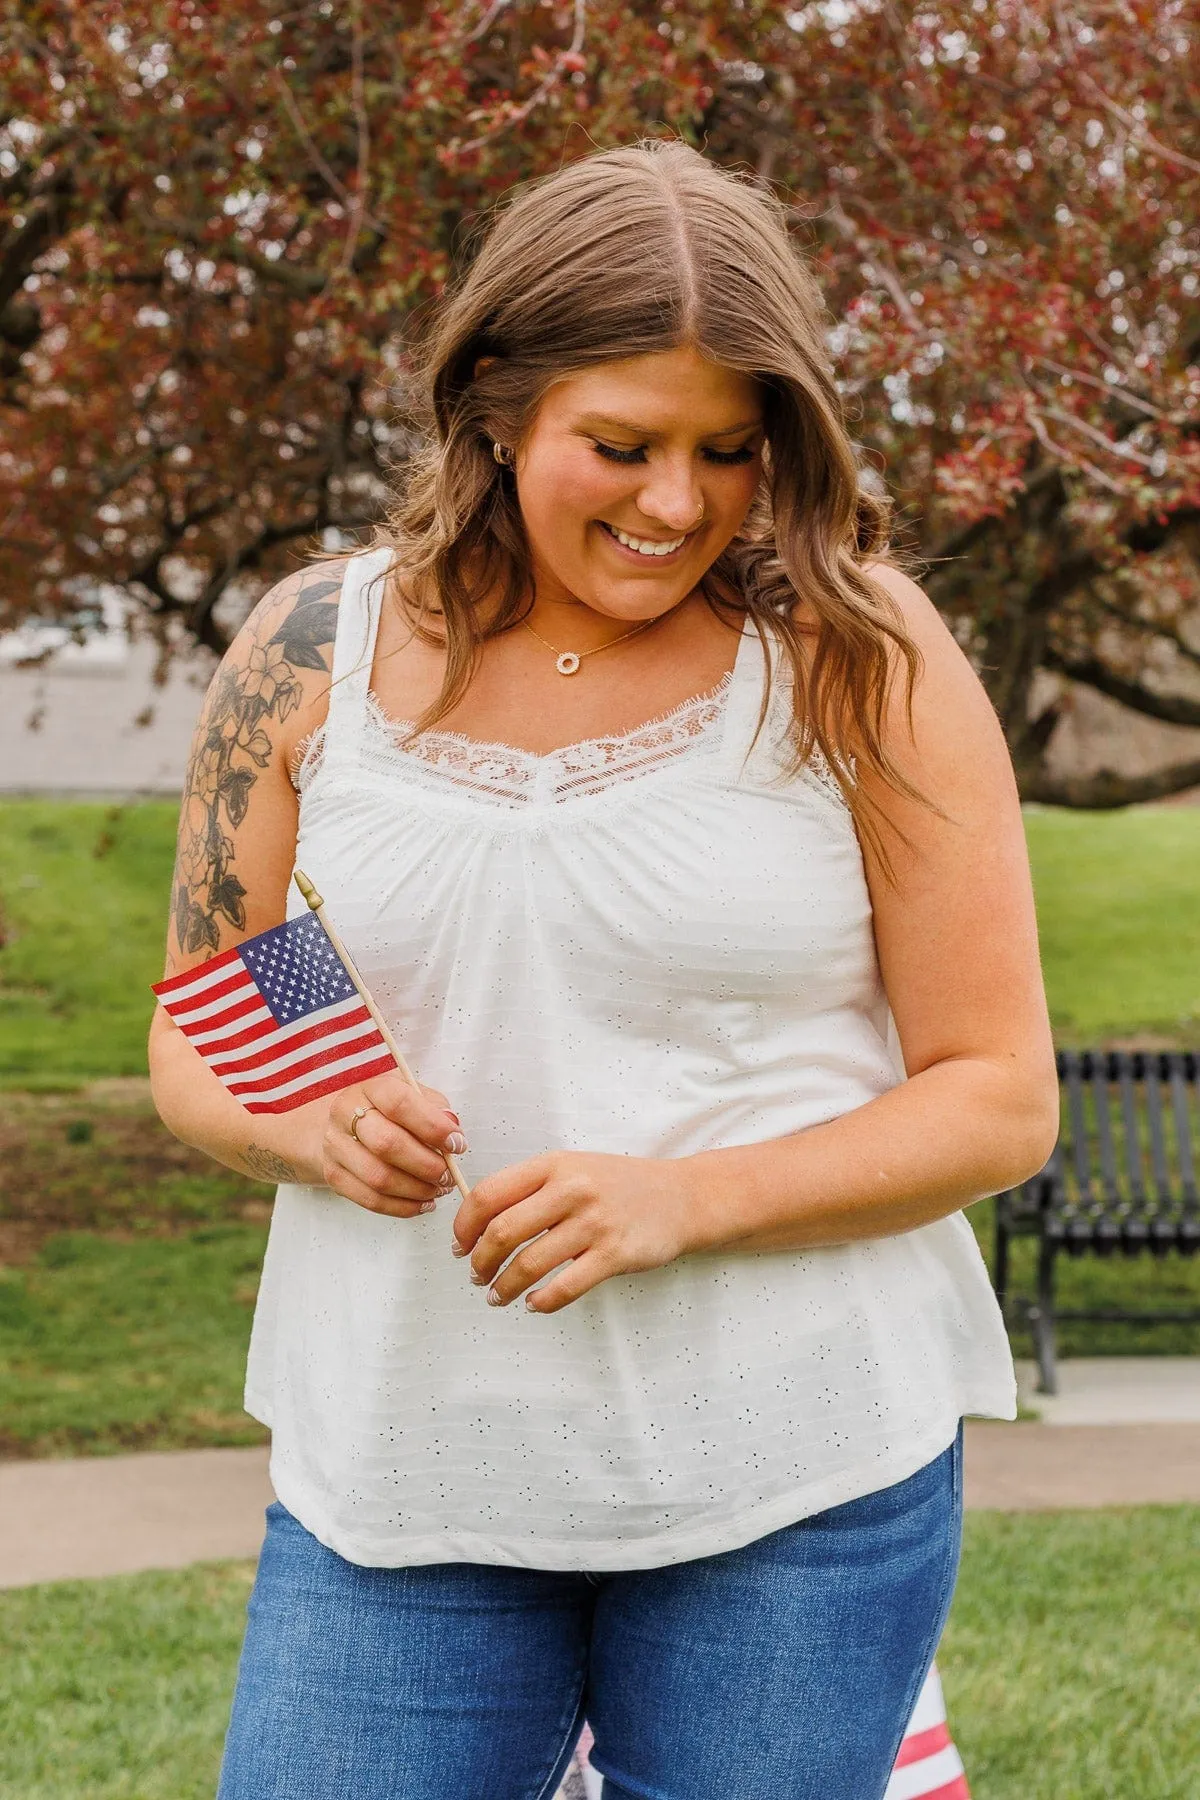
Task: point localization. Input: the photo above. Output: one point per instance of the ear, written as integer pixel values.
(481, 363)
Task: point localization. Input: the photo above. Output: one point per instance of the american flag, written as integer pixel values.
(278, 1019)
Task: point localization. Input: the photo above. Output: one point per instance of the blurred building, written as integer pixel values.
(91, 711)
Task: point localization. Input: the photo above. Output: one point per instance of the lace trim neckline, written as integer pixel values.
(515, 776)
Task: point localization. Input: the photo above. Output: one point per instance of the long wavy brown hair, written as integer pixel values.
(625, 252)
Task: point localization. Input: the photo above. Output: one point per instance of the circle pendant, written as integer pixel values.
(567, 663)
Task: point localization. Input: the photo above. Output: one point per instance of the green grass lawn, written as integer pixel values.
(1119, 920)
(83, 910)
(110, 1346)
(120, 1687)
(83, 904)
(1070, 1668)
(128, 1270)
(1070, 1662)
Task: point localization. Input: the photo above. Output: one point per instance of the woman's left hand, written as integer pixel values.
(610, 1215)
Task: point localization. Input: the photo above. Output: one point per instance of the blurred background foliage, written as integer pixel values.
(223, 225)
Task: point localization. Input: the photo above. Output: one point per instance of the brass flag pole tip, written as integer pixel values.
(307, 889)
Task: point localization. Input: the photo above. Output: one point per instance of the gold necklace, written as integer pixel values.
(569, 660)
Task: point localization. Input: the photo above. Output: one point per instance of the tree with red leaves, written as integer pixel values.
(221, 224)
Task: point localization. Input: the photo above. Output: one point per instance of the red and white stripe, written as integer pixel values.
(927, 1768)
(268, 1067)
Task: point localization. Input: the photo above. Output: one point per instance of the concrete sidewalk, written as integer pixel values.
(119, 1514)
(1116, 1390)
(114, 1515)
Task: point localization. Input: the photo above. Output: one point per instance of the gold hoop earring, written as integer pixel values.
(503, 455)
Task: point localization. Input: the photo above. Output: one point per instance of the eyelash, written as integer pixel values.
(723, 457)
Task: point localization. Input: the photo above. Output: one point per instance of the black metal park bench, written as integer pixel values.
(1121, 1181)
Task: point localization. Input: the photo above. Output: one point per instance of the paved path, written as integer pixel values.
(1030, 1467)
(1117, 1390)
(117, 1514)
(113, 1515)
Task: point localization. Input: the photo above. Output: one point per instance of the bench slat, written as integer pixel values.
(1138, 1195)
(1123, 1173)
(1072, 1076)
(1158, 1140)
(1104, 1135)
(1176, 1064)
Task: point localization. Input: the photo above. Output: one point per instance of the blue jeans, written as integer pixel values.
(786, 1670)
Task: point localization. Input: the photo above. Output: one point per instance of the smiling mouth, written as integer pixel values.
(648, 549)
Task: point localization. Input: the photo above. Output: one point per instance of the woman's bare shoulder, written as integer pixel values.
(953, 748)
(921, 618)
(278, 666)
(238, 819)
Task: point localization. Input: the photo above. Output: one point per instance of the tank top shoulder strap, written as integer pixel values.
(767, 762)
(744, 759)
(354, 651)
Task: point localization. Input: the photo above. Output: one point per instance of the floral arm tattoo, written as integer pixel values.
(228, 757)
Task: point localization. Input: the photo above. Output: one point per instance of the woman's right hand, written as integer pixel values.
(395, 1163)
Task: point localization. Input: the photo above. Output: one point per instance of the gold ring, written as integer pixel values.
(360, 1112)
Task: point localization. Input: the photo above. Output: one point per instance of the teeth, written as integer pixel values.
(642, 547)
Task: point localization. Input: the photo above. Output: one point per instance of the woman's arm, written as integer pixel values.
(236, 845)
(957, 943)
(958, 950)
(236, 850)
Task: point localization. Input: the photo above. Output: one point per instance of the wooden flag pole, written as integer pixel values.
(317, 905)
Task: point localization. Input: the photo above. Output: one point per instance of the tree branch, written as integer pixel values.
(199, 612)
(46, 218)
(1152, 534)
(1073, 459)
(1109, 388)
(965, 537)
(490, 15)
(521, 113)
(1172, 709)
(299, 280)
(337, 187)
(1114, 447)
(362, 138)
(1131, 621)
(1107, 789)
(1145, 536)
(874, 266)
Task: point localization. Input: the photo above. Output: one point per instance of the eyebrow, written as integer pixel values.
(606, 419)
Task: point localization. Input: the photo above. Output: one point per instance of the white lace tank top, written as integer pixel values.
(633, 945)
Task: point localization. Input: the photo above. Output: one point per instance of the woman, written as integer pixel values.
(606, 772)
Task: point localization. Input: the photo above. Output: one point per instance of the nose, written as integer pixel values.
(673, 498)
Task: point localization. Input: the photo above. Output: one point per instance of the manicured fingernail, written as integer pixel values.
(457, 1249)
(529, 1306)
(455, 1144)
(478, 1280)
(494, 1298)
(452, 1116)
(429, 1206)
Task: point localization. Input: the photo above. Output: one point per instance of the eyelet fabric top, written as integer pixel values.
(652, 944)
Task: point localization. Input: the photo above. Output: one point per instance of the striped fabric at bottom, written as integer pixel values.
(927, 1768)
